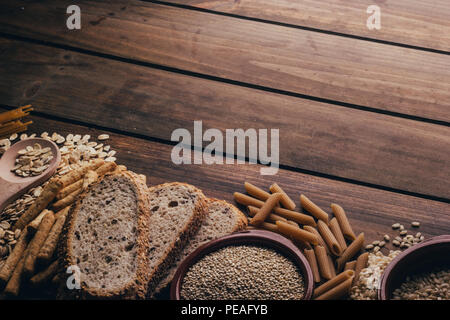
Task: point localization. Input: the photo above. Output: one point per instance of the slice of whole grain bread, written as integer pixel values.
(106, 236)
(222, 218)
(177, 211)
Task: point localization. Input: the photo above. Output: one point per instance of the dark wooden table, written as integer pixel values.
(363, 115)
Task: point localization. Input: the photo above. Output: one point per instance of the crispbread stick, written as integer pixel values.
(13, 259)
(312, 208)
(265, 210)
(350, 252)
(334, 227)
(36, 243)
(329, 238)
(15, 281)
(256, 192)
(48, 194)
(350, 265)
(296, 233)
(337, 292)
(77, 185)
(67, 201)
(285, 200)
(48, 247)
(247, 200)
(77, 174)
(46, 274)
(311, 257)
(323, 262)
(320, 241)
(33, 226)
(345, 226)
(295, 216)
(333, 282)
(106, 167)
(361, 263)
(271, 218)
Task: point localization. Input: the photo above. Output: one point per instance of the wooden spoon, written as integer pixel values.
(13, 186)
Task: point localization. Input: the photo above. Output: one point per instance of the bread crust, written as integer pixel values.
(137, 287)
(156, 275)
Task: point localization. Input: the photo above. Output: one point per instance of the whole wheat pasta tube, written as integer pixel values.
(329, 238)
(295, 216)
(296, 233)
(265, 210)
(46, 274)
(36, 243)
(334, 227)
(341, 277)
(320, 241)
(78, 174)
(351, 251)
(67, 201)
(269, 227)
(341, 290)
(285, 200)
(361, 263)
(256, 192)
(350, 265)
(48, 247)
(323, 262)
(271, 218)
(311, 257)
(312, 208)
(33, 226)
(15, 281)
(48, 194)
(14, 258)
(247, 200)
(331, 264)
(345, 226)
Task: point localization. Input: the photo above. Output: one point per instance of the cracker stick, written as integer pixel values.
(285, 200)
(314, 209)
(13, 259)
(333, 282)
(256, 192)
(67, 201)
(14, 283)
(48, 194)
(46, 274)
(77, 174)
(49, 245)
(265, 210)
(36, 243)
(271, 218)
(33, 226)
(350, 252)
(296, 233)
(341, 217)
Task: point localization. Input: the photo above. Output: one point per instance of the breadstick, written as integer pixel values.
(345, 226)
(298, 217)
(341, 290)
(285, 200)
(271, 218)
(320, 240)
(312, 208)
(14, 283)
(13, 259)
(69, 189)
(350, 265)
(36, 243)
(333, 282)
(323, 262)
(48, 194)
(334, 227)
(247, 200)
(296, 233)
(33, 226)
(350, 252)
(77, 174)
(329, 238)
(265, 210)
(106, 167)
(50, 243)
(311, 257)
(64, 211)
(361, 263)
(46, 274)
(67, 201)
(89, 178)
(256, 192)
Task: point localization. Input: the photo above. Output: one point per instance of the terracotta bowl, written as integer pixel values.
(434, 252)
(260, 238)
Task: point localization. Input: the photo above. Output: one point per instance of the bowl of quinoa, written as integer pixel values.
(247, 265)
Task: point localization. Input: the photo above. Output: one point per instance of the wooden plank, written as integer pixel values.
(418, 23)
(371, 211)
(302, 62)
(347, 143)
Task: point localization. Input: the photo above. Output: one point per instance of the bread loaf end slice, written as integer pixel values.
(177, 211)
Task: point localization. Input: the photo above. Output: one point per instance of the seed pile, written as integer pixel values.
(369, 278)
(433, 285)
(243, 272)
(32, 161)
(403, 240)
